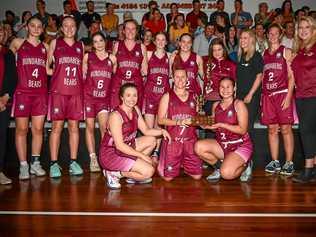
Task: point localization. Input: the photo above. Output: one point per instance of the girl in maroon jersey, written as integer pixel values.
(193, 63)
(98, 66)
(232, 143)
(176, 109)
(157, 83)
(121, 153)
(304, 69)
(66, 94)
(132, 63)
(30, 98)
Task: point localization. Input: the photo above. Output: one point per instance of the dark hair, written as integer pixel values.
(228, 79)
(298, 11)
(66, 2)
(150, 3)
(67, 17)
(89, 2)
(33, 18)
(240, 1)
(235, 38)
(173, 4)
(179, 68)
(126, 86)
(54, 18)
(306, 8)
(24, 14)
(186, 34)
(9, 12)
(275, 25)
(283, 6)
(108, 4)
(217, 41)
(195, 1)
(218, 1)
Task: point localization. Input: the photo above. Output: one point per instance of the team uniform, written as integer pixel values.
(275, 89)
(192, 69)
(229, 141)
(180, 151)
(30, 97)
(128, 70)
(97, 85)
(157, 83)
(112, 159)
(66, 89)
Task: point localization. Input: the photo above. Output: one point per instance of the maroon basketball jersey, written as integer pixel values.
(304, 69)
(31, 68)
(129, 130)
(215, 70)
(178, 109)
(99, 75)
(129, 65)
(67, 76)
(228, 116)
(192, 69)
(275, 76)
(158, 77)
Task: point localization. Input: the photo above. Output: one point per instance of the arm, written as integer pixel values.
(254, 88)
(199, 62)
(196, 44)
(16, 44)
(85, 65)
(115, 48)
(114, 61)
(50, 57)
(144, 67)
(287, 101)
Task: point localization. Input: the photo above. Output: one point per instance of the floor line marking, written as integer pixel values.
(158, 214)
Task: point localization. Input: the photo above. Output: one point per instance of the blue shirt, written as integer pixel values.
(242, 18)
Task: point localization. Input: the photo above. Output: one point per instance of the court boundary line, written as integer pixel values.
(158, 214)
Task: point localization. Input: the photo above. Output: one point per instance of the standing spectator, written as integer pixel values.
(10, 18)
(231, 43)
(278, 17)
(51, 30)
(240, 18)
(68, 11)
(263, 16)
(156, 23)
(287, 11)
(90, 16)
(110, 21)
(261, 41)
(176, 30)
(20, 29)
(148, 15)
(249, 73)
(200, 27)
(201, 43)
(221, 24)
(220, 5)
(192, 17)
(41, 12)
(174, 12)
(8, 34)
(148, 41)
(87, 41)
(288, 37)
(304, 69)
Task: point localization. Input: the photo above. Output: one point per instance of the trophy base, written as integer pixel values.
(200, 120)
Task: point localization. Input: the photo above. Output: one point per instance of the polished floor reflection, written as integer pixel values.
(270, 194)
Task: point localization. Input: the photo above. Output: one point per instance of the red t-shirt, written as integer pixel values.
(155, 27)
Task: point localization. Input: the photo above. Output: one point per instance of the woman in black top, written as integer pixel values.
(249, 73)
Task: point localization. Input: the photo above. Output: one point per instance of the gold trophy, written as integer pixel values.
(201, 119)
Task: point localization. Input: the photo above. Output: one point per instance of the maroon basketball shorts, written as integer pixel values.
(93, 106)
(62, 107)
(177, 154)
(151, 105)
(271, 109)
(26, 105)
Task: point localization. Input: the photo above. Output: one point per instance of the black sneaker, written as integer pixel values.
(304, 176)
(287, 168)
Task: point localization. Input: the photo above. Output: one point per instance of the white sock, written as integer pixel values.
(22, 163)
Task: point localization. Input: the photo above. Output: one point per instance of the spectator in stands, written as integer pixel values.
(261, 41)
(288, 37)
(148, 15)
(287, 11)
(231, 43)
(51, 30)
(127, 15)
(87, 41)
(20, 29)
(148, 41)
(41, 12)
(176, 30)
(110, 21)
(264, 17)
(174, 11)
(202, 42)
(9, 34)
(220, 5)
(240, 18)
(192, 17)
(221, 24)
(10, 18)
(156, 23)
(90, 16)
(299, 13)
(278, 18)
(68, 11)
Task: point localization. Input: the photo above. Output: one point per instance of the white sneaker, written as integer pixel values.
(24, 172)
(4, 179)
(214, 177)
(133, 181)
(246, 175)
(94, 165)
(113, 179)
(37, 169)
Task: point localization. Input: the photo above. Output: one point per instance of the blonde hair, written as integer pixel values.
(298, 42)
(248, 54)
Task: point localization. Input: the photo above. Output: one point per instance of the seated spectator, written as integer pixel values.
(148, 15)
(240, 18)
(298, 14)
(202, 42)
(156, 23)
(176, 30)
(51, 30)
(110, 21)
(87, 41)
(287, 11)
(68, 11)
(220, 5)
(174, 11)
(20, 29)
(9, 34)
(90, 16)
(264, 17)
(288, 37)
(200, 27)
(148, 41)
(221, 23)
(261, 41)
(192, 17)
(10, 18)
(41, 11)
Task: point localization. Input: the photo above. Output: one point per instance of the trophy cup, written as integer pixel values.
(201, 118)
